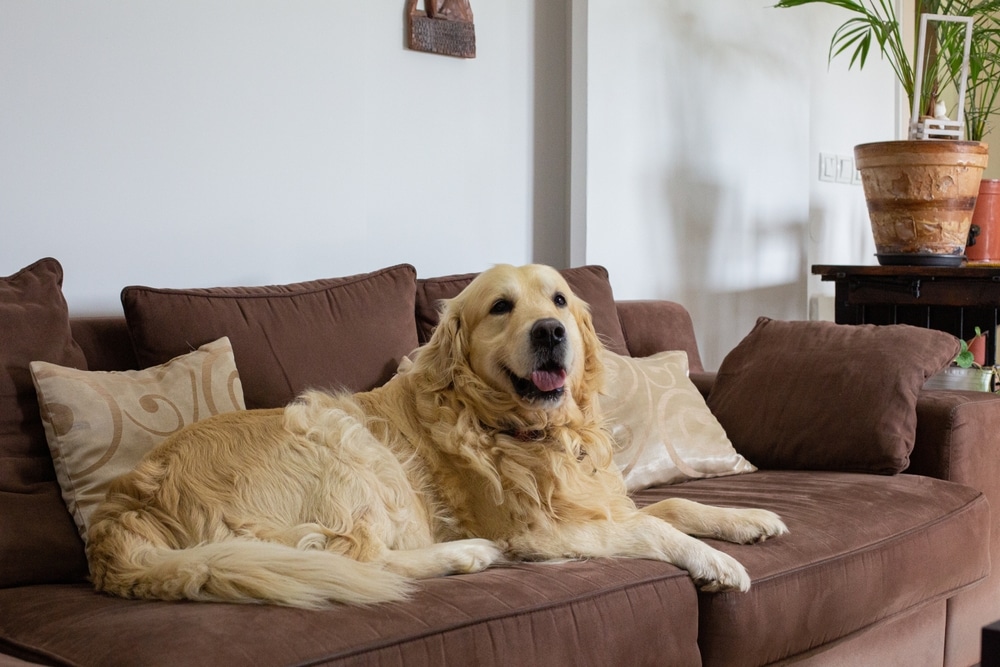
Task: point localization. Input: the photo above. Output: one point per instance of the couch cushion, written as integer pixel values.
(580, 613)
(105, 342)
(825, 396)
(663, 431)
(590, 283)
(100, 424)
(860, 549)
(38, 542)
(340, 333)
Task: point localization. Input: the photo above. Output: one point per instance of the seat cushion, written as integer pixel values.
(860, 549)
(580, 613)
(590, 283)
(338, 333)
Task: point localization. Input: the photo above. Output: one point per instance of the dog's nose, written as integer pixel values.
(548, 333)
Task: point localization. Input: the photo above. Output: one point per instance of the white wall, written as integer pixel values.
(209, 142)
(704, 125)
(212, 142)
(847, 107)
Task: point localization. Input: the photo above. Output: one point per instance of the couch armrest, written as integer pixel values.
(652, 326)
(957, 438)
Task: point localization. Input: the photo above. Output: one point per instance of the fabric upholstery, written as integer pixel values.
(588, 613)
(652, 326)
(339, 333)
(956, 440)
(105, 342)
(99, 424)
(824, 396)
(664, 432)
(38, 542)
(590, 283)
(842, 566)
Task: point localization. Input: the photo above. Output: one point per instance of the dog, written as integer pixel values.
(490, 448)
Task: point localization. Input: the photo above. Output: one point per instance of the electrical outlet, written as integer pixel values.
(856, 178)
(845, 169)
(827, 167)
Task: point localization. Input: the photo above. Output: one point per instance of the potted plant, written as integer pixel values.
(920, 193)
(966, 372)
(982, 101)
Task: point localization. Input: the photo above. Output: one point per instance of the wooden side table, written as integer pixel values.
(990, 651)
(951, 299)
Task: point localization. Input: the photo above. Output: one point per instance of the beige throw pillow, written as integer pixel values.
(99, 424)
(664, 432)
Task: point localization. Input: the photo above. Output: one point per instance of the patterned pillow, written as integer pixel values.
(99, 424)
(663, 430)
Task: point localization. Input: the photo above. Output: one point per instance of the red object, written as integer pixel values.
(987, 217)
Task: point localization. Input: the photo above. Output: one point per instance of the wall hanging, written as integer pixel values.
(443, 26)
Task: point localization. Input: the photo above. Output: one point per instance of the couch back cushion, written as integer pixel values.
(38, 542)
(105, 342)
(340, 333)
(825, 396)
(590, 283)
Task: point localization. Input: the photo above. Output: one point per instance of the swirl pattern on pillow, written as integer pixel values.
(99, 424)
(663, 430)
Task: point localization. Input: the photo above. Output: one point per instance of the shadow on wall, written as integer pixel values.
(733, 272)
(736, 178)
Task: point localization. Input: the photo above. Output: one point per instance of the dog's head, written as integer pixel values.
(517, 343)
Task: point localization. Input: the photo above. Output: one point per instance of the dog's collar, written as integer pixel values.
(534, 435)
(524, 435)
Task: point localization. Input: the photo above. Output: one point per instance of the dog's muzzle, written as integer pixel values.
(549, 345)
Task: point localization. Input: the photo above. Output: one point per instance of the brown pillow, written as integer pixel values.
(824, 396)
(590, 283)
(38, 541)
(339, 333)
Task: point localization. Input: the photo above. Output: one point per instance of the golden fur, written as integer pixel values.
(489, 447)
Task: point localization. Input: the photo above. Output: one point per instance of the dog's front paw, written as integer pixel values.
(720, 572)
(472, 555)
(746, 526)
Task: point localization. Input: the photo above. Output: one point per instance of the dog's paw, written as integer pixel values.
(746, 526)
(720, 572)
(472, 555)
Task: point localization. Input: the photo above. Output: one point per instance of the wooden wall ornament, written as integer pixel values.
(443, 26)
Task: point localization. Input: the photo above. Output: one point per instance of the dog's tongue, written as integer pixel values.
(549, 380)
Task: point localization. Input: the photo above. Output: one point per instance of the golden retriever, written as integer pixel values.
(489, 448)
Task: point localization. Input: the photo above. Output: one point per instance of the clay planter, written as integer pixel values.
(920, 196)
(986, 246)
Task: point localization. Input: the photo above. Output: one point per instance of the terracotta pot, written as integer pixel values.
(920, 196)
(986, 246)
(977, 346)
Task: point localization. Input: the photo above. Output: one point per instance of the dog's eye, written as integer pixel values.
(501, 306)
(559, 299)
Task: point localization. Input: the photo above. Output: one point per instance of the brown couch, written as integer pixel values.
(876, 569)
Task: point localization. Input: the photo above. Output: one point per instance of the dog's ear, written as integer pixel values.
(446, 349)
(592, 380)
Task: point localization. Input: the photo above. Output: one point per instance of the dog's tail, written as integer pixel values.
(125, 563)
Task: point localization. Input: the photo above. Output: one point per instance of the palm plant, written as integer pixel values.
(875, 24)
(983, 80)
